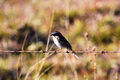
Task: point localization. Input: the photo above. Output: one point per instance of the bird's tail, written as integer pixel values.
(74, 53)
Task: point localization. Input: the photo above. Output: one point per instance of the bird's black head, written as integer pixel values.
(56, 33)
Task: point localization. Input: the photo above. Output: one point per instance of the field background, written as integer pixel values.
(87, 25)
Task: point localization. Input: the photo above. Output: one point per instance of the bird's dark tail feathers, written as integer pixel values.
(74, 53)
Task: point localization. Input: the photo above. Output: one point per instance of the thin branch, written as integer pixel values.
(43, 51)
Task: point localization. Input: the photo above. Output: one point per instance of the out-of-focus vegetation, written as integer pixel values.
(25, 25)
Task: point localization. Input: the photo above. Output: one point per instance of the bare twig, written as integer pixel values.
(43, 51)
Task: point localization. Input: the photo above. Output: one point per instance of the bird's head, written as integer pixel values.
(56, 33)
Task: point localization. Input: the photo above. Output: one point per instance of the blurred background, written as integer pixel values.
(87, 25)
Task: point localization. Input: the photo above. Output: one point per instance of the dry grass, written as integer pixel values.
(86, 24)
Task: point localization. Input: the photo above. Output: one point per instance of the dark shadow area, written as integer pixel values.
(27, 30)
(8, 74)
(117, 12)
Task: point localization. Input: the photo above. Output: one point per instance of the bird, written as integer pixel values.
(61, 42)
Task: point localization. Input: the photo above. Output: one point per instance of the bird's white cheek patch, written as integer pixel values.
(56, 42)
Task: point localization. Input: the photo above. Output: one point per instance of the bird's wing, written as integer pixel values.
(65, 43)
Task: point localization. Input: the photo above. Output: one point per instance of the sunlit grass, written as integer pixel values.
(95, 17)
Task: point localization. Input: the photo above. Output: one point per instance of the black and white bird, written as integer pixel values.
(61, 42)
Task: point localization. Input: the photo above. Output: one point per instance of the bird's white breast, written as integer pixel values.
(56, 41)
